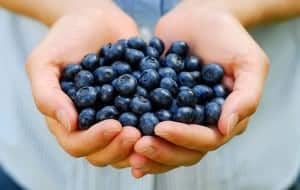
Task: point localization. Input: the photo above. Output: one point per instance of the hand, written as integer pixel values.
(72, 36)
(217, 36)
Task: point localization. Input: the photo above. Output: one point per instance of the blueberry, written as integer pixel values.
(101, 62)
(149, 79)
(122, 42)
(125, 84)
(107, 112)
(137, 74)
(106, 94)
(203, 93)
(149, 63)
(158, 44)
(161, 98)
(212, 73)
(152, 52)
(86, 96)
(128, 119)
(199, 115)
(184, 115)
(184, 88)
(140, 91)
(104, 74)
(180, 48)
(186, 79)
(72, 93)
(70, 71)
(86, 118)
(105, 49)
(212, 113)
(167, 72)
(136, 43)
(173, 107)
(192, 63)
(133, 56)
(186, 98)
(84, 78)
(121, 67)
(169, 84)
(90, 61)
(66, 85)
(196, 76)
(147, 123)
(163, 115)
(175, 62)
(218, 100)
(113, 52)
(140, 105)
(220, 91)
(122, 103)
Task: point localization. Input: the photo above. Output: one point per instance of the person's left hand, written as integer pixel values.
(217, 36)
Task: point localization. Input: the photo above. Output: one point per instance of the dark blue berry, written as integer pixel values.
(137, 43)
(219, 101)
(199, 115)
(133, 56)
(175, 62)
(140, 91)
(180, 48)
(86, 96)
(70, 71)
(184, 88)
(140, 105)
(147, 123)
(174, 106)
(66, 85)
(107, 112)
(152, 52)
(212, 73)
(192, 63)
(149, 79)
(163, 115)
(104, 74)
(186, 79)
(137, 74)
(114, 52)
(149, 63)
(203, 93)
(125, 84)
(72, 93)
(128, 119)
(121, 67)
(84, 78)
(184, 115)
(90, 61)
(167, 72)
(122, 103)
(106, 94)
(122, 42)
(186, 98)
(220, 91)
(158, 44)
(169, 84)
(86, 118)
(212, 113)
(196, 76)
(161, 98)
(101, 62)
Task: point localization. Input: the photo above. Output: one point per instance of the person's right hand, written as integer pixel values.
(73, 35)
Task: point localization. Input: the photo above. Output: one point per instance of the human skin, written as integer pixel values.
(197, 22)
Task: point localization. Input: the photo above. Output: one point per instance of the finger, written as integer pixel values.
(166, 153)
(243, 101)
(48, 96)
(142, 165)
(193, 137)
(121, 164)
(119, 149)
(82, 143)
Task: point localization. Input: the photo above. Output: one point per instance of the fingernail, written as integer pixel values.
(232, 122)
(62, 118)
(109, 133)
(161, 131)
(149, 150)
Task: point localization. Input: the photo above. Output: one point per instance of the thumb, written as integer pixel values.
(48, 96)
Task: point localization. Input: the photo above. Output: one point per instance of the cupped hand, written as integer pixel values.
(73, 35)
(215, 35)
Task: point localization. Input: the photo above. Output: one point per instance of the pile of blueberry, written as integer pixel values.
(132, 82)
